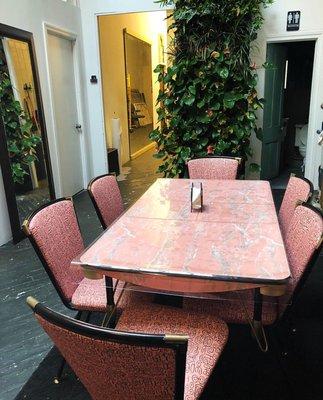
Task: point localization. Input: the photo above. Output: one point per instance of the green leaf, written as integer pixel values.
(228, 103)
(188, 100)
(154, 134)
(224, 73)
(204, 119)
(26, 127)
(216, 106)
(160, 154)
(201, 103)
(160, 68)
(185, 153)
(251, 116)
(253, 167)
(192, 90)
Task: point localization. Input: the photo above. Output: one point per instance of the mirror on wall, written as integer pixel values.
(25, 160)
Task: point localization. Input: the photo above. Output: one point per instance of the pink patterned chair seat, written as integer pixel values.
(234, 309)
(213, 168)
(90, 295)
(207, 338)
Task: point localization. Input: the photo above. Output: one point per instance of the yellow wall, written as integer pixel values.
(146, 26)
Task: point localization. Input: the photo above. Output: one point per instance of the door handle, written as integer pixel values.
(78, 127)
(319, 131)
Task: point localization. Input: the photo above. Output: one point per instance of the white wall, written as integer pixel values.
(146, 26)
(30, 16)
(274, 30)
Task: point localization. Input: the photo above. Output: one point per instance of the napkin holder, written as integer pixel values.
(197, 197)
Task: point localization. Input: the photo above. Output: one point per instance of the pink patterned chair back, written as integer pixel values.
(298, 189)
(55, 234)
(213, 168)
(302, 239)
(112, 367)
(105, 194)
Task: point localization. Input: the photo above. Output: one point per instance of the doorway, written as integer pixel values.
(131, 46)
(288, 90)
(139, 89)
(25, 161)
(65, 110)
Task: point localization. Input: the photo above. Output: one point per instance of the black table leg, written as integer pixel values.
(257, 327)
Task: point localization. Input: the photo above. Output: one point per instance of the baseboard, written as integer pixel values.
(142, 151)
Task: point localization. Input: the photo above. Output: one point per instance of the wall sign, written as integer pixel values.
(293, 20)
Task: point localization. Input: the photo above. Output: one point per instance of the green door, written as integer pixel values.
(273, 111)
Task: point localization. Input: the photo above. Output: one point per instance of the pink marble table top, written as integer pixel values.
(235, 238)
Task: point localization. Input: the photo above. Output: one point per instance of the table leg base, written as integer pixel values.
(259, 334)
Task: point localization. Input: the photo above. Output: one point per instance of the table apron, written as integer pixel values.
(182, 284)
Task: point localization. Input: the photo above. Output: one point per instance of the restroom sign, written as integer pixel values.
(293, 20)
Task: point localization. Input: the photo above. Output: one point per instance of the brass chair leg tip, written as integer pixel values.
(56, 381)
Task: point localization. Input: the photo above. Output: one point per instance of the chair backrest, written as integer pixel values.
(298, 190)
(106, 197)
(303, 244)
(118, 365)
(55, 235)
(215, 167)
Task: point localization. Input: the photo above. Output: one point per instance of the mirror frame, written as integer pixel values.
(9, 187)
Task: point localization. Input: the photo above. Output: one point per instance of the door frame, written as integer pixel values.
(50, 29)
(94, 23)
(17, 233)
(313, 151)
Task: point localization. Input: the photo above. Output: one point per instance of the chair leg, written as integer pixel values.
(78, 315)
(109, 319)
(88, 315)
(60, 370)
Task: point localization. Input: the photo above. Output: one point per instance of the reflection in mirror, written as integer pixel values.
(19, 111)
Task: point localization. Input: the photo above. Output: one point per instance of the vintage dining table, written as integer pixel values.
(159, 243)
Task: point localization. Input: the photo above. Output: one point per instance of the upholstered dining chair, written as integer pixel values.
(54, 233)
(214, 167)
(298, 190)
(106, 198)
(155, 352)
(303, 243)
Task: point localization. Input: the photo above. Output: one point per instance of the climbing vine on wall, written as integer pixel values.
(209, 101)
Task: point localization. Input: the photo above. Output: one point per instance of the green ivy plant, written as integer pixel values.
(21, 133)
(209, 100)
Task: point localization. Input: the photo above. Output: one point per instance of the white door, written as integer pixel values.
(61, 65)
